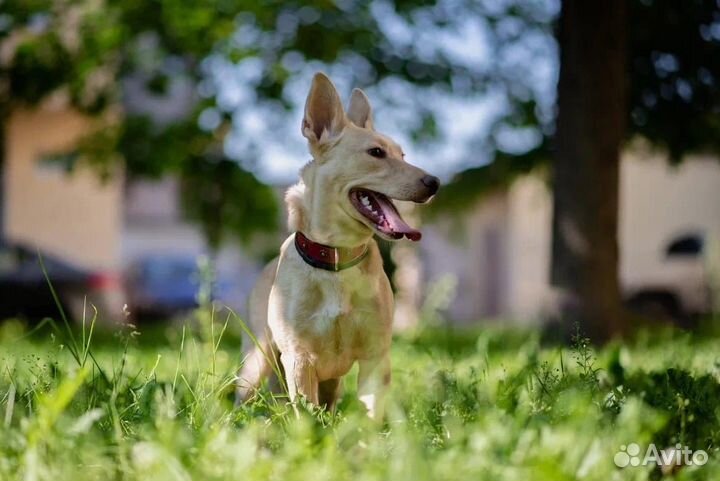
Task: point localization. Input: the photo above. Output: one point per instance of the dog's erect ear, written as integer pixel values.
(324, 114)
(359, 112)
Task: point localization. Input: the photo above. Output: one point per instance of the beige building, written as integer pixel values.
(500, 253)
(104, 226)
(75, 215)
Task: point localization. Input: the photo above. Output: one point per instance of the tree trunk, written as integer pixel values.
(4, 118)
(590, 130)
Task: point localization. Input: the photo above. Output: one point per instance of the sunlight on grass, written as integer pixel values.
(491, 404)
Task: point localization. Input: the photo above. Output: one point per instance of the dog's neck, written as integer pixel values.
(314, 211)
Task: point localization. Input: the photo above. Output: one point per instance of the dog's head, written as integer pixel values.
(363, 169)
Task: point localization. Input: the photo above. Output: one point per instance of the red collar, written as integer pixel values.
(326, 257)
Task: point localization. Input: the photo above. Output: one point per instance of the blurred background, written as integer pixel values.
(146, 145)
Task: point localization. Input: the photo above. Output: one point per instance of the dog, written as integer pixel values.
(325, 302)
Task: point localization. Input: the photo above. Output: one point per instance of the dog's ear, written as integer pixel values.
(324, 115)
(360, 112)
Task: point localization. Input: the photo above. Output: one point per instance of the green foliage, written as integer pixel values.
(217, 193)
(86, 46)
(73, 46)
(183, 28)
(223, 197)
(83, 47)
(464, 405)
(674, 72)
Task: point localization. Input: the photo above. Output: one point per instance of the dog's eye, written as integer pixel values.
(377, 152)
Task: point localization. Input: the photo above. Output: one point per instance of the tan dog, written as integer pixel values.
(326, 302)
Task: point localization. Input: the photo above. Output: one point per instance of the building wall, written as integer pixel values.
(74, 216)
(657, 203)
(154, 227)
(660, 202)
(472, 251)
(529, 221)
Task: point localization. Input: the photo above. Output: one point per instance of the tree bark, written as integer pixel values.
(592, 97)
(4, 117)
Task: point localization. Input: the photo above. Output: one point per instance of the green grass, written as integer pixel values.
(493, 404)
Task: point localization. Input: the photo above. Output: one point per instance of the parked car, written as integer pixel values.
(676, 285)
(161, 287)
(24, 290)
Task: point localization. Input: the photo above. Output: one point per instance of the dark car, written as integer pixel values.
(24, 290)
(162, 286)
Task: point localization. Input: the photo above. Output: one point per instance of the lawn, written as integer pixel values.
(491, 404)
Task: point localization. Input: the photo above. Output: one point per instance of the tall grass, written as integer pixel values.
(485, 405)
(156, 403)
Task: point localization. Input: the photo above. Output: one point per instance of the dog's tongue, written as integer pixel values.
(395, 222)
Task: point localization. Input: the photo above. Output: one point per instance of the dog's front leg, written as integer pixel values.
(373, 381)
(300, 376)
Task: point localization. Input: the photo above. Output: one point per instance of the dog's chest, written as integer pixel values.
(339, 307)
(340, 318)
(333, 318)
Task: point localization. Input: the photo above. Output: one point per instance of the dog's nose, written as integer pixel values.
(432, 183)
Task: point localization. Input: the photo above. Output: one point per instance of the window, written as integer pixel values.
(689, 245)
(56, 165)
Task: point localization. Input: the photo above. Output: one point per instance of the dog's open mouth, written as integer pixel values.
(379, 210)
